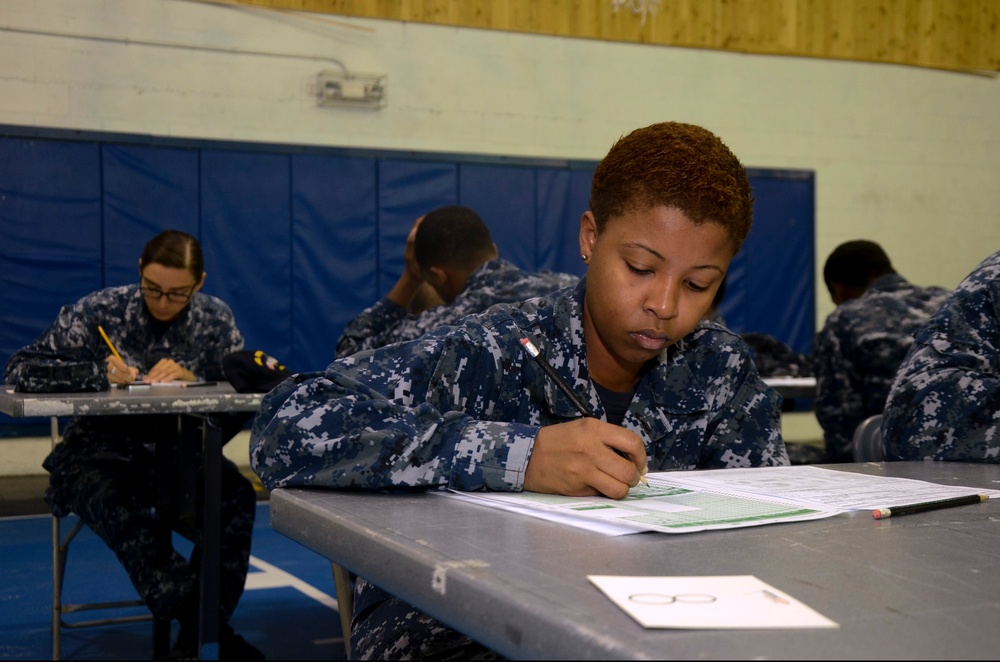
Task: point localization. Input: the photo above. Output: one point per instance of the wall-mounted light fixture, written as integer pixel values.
(339, 88)
(638, 7)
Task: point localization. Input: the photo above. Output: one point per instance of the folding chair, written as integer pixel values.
(866, 445)
(60, 552)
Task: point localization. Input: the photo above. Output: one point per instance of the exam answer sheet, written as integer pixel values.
(688, 501)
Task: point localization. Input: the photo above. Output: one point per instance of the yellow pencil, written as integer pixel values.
(110, 345)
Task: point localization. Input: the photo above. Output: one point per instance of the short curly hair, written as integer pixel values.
(453, 235)
(674, 165)
(856, 263)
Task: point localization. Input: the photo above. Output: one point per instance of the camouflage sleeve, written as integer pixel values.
(945, 401)
(745, 425)
(415, 417)
(215, 334)
(70, 350)
(386, 322)
(839, 405)
(371, 328)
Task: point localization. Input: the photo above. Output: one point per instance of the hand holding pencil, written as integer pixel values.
(566, 458)
(119, 372)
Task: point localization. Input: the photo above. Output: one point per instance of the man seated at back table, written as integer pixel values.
(863, 341)
(452, 250)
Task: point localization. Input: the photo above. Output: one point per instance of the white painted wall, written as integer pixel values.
(907, 157)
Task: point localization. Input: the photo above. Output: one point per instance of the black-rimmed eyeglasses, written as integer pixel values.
(172, 297)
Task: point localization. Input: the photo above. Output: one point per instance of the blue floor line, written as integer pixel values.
(288, 609)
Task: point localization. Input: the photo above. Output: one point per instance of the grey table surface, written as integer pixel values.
(793, 387)
(143, 400)
(922, 586)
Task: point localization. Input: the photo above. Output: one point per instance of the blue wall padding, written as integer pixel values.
(145, 189)
(50, 196)
(506, 197)
(562, 194)
(334, 249)
(246, 221)
(50, 233)
(770, 286)
(300, 241)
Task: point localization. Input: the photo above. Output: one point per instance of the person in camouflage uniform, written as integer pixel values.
(451, 250)
(945, 400)
(863, 341)
(465, 407)
(104, 469)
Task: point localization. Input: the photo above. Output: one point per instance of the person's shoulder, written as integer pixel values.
(524, 312)
(564, 279)
(986, 273)
(546, 276)
(711, 339)
(936, 295)
(871, 304)
(715, 356)
(990, 265)
(113, 297)
(208, 300)
(975, 302)
(712, 333)
(110, 293)
(504, 324)
(211, 309)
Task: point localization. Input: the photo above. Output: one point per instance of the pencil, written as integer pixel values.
(896, 511)
(579, 404)
(110, 345)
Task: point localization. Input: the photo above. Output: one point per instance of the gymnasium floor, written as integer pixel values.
(288, 610)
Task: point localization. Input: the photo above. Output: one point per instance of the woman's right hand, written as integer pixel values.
(120, 372)
(577, 458)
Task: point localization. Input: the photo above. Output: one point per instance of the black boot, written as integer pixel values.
(186, 614)
(234, 647)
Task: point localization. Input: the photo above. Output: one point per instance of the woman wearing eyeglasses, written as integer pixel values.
(162, 328)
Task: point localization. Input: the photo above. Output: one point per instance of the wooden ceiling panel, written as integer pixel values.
(961, 35)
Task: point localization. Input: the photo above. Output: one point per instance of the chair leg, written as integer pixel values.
(60, 551)
(161, 638)
(58, 564)
(345, 604)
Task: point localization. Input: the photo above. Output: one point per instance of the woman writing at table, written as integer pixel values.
(465, 407)
(163, 328)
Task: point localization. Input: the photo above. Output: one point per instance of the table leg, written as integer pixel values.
(57, 571)
(211, 533)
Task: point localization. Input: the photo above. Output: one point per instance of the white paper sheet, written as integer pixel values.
(663, 506)
(711, 602)
(804, 484)
(689, 501)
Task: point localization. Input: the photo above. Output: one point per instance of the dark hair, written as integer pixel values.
(674, 165)
(856, 263)
(452, 236)
(177, 250)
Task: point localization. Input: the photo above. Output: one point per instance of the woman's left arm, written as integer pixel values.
(214, 334)
(745, 428)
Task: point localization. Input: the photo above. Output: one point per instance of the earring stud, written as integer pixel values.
(584, 257)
